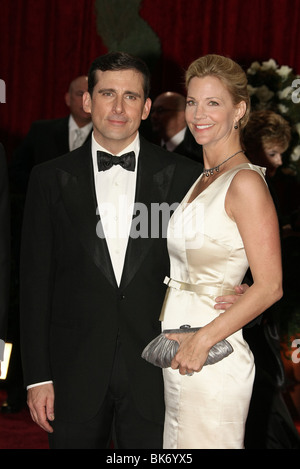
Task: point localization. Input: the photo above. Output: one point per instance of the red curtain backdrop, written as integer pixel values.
(46, 43)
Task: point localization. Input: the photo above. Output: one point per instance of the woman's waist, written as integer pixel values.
(213, 289)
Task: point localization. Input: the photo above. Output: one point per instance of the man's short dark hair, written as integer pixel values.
(115, 61)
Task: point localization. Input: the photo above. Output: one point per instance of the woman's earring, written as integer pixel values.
(236, 126)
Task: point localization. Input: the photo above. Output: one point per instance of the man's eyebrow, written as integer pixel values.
(112, 90)
(134, 93)
(105, 90)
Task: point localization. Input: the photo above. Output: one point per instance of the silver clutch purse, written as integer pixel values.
(161, 351)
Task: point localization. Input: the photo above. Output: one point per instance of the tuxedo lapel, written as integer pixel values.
(153, 185)
(79, 197)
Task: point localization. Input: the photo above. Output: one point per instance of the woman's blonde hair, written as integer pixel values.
(229, 73)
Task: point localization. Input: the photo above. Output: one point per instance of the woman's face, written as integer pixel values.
(210, 112)
(273, 157)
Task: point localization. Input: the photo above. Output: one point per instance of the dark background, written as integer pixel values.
(44, 44)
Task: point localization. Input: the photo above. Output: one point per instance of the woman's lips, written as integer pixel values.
(202, 126)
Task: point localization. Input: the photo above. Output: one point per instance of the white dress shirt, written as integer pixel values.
(174, 141)
(2, 345)
(115, 192)
(74, 141)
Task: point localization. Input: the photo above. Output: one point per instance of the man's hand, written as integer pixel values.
(224, 302)
(40, 400)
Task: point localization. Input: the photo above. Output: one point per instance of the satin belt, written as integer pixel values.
(198, 289)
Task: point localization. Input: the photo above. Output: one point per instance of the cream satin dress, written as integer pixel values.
(208, 409)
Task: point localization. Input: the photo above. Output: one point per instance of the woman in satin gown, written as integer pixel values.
(226, 222)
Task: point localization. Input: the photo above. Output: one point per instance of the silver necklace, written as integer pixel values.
(210, 171)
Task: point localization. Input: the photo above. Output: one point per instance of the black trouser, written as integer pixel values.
(118, 420)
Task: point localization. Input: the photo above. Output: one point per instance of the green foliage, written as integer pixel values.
(122, 29)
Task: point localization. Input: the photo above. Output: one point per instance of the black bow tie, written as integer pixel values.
(106, 160)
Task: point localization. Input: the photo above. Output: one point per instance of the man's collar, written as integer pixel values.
(175, 140)
(73, 125)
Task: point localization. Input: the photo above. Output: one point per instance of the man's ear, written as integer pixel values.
(147, 108)
(86, 102)
(67, 99)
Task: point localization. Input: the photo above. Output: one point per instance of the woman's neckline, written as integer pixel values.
(189, 202)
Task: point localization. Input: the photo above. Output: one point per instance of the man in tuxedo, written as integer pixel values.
(46, 139)
(50, 138)
(90, 297)
(4, 250)
(169, 126)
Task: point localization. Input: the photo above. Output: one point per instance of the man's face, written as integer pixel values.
(74, 100)
(167, 116)
(117, 107)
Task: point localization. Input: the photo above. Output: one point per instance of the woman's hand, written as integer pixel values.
(192, 353)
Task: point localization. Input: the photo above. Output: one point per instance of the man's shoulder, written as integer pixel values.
(67, 162)
(46, 124)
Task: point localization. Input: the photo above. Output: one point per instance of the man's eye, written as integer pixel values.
(131, 97)
(105, 93)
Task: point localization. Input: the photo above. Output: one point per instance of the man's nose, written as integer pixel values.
(118, 105)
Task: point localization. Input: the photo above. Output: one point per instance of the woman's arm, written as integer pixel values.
(249, 204)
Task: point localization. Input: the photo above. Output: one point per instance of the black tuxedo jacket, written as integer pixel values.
(46, 140)
(190, 148)
(4, 244)
(72, 310)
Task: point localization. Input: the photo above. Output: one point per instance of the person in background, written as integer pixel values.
(4, 250)
(266, 138)
(169, 125)
(230, 214)
(50, 138)
(47, 139)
